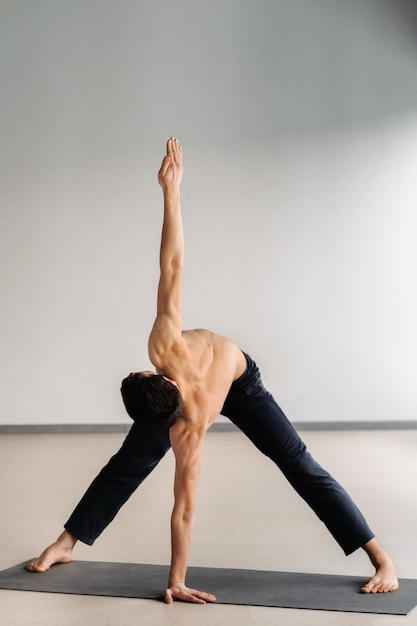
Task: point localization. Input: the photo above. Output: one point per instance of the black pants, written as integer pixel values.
(252, 408)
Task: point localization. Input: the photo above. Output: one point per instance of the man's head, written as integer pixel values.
(152, 400)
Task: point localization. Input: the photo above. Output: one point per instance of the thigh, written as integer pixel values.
(259, 416)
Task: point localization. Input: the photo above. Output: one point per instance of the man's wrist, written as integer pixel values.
(176, 575)
(171, 193)
(175, 581)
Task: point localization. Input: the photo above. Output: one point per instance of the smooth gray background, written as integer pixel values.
(298, 120)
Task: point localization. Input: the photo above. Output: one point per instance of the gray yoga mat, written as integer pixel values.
(230, 586)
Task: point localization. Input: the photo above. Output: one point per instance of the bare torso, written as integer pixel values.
(204, 365)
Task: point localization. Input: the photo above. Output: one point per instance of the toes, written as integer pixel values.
(35, 567)
(378, 587)
(371, 587)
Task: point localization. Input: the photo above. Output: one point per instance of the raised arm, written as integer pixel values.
(168, 323)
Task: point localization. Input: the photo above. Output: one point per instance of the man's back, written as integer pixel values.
(204, 365)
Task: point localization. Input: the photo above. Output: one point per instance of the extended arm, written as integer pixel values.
(168, 324)
(188, 450)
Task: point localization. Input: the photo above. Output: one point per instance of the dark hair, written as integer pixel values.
(151, 401)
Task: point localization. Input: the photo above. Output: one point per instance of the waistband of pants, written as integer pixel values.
(250, 371)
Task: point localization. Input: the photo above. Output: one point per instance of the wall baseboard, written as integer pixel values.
(43, 429)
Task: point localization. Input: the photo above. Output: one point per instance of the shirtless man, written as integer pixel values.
(199, 375)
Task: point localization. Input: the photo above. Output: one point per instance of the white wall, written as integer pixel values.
(299, 125)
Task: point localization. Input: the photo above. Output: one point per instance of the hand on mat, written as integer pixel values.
(181, 592)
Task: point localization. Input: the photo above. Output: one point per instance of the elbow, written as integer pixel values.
(172, 263)
(176, 267)
(182, 517)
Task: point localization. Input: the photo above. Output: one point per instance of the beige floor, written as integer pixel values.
(247, 517)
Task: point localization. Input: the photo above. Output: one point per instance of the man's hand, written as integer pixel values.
(181, 592)
(170, 174)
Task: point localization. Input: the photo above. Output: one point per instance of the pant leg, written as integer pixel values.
(253, 409)
(140, 453)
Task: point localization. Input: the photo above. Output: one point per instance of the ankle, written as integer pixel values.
(375, 552)
(66, 540)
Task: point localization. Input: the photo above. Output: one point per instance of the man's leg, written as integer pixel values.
(256, 413)
(140, 453)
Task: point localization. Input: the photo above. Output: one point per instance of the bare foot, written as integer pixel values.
(58, 552)
(385, 579)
